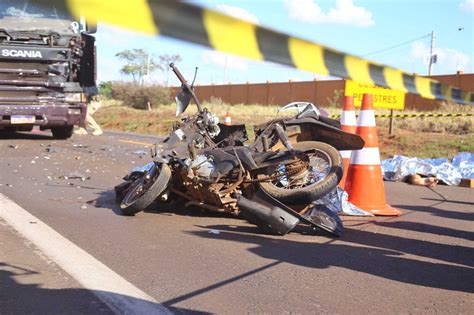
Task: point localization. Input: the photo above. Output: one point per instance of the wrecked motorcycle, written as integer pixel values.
(272, 182)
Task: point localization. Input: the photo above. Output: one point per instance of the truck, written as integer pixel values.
(47, 68)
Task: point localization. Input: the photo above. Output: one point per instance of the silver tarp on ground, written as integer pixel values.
(399, 167)
(336, 201)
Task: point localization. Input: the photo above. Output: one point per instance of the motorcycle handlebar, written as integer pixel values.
(178, 74)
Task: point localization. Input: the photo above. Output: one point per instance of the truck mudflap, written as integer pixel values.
(44, 115)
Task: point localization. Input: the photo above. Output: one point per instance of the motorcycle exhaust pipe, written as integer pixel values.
(277, 220)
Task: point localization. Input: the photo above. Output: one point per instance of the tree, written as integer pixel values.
(105, 89)
(138, 64)
(165, 61)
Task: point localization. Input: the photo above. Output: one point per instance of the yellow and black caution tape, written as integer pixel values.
(209, 28)
(416, 115)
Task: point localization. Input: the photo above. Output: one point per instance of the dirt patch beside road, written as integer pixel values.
(402, 142)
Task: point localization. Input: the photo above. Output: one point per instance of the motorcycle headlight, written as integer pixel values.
(214, 120)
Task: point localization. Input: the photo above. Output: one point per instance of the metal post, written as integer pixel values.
(225, 70)
(431, 52)
(146, 77)
(390, 126)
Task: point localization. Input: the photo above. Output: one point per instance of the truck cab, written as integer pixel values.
(47, 61)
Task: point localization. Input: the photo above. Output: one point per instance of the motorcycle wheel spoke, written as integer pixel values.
(319, 168)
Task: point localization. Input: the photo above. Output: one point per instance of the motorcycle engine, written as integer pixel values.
(210, 123)
(202, 166)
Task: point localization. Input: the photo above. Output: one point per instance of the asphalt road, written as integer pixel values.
(194, 261)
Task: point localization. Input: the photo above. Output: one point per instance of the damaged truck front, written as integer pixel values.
(47, 62)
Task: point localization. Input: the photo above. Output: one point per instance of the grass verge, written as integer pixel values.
(412, 137)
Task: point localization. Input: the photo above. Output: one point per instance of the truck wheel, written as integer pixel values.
(63, 132)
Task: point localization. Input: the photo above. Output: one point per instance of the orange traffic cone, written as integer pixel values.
(364, 182)
(227, 119)
(348, 124)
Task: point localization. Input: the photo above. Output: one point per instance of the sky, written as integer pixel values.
(396, 33)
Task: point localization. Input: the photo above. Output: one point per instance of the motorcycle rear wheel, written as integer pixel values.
(141, 194)
(303, 194)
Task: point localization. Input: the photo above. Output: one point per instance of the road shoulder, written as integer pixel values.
(120, 295)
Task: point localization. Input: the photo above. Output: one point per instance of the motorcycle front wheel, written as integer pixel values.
(324, 171)
(142, 193)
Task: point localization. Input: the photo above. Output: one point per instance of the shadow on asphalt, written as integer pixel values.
(451, 214)
(190, 295)
(386, 258)
(26, 136)
(450, 201)
(27, 298)
(107, 200)
(427, 228)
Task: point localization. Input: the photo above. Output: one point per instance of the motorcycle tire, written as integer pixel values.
(141, 195)
(314, 191)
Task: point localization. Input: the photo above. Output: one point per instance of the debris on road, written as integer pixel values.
(51, 150)
(140, 152)
(13, 146)
(337, 202)
(80, 146)
(215, 232)
(75, 175)
(467, 182)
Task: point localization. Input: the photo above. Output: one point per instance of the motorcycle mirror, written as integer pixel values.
(299, 106)
(182, 101)
(194, 79)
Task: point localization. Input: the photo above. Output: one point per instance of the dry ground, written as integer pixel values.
(420, 137)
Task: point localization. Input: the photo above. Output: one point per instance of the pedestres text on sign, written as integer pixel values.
(382, 97)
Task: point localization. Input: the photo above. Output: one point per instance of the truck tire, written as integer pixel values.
(311, 191)
(63, 132)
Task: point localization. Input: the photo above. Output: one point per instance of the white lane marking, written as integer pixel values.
(119, 294)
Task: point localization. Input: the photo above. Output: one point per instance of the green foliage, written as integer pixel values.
(138, 64)
(138, 96)
(165, 61)
(105, 89)
(436, 147)
(336, 99)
